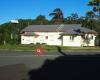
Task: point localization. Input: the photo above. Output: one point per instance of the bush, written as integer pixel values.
(43, 44)
(37, 43)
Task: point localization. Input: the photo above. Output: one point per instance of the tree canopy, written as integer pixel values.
(57, 15)
(95, 4)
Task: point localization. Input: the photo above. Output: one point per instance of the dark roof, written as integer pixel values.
(51, 27)
(39, 28)
(68, 28)
(70, 32)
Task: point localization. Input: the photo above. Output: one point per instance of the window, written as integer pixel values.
(46, 37)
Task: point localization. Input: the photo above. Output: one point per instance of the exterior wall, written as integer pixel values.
(67, 41)
(79, 41)
(26, 39)
(50, 38)
(91, 41)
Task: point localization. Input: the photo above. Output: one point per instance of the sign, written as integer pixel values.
(39, 51)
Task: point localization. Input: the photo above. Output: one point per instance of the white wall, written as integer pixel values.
(52, 38)
(79, 41)
(26, 39)
(91, 41)
(75, 42)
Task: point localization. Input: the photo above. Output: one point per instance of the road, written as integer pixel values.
(18, 63)
(30, 53)
(24, 57)
(30, 59)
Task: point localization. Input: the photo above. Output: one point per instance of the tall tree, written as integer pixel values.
(57, 15)
(90, 14)
(41, 19)
(96, 6)
(90, 19)
(74, 16)
(72, 19)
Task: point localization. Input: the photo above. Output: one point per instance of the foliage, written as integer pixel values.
(95, 4)
(72, 19)
(86, 39)
(41, 20)
(57, 15)
(90, 14)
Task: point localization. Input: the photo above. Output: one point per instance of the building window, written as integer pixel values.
(46, 37)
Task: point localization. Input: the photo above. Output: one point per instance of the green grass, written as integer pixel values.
(16, 47)
(47, 48)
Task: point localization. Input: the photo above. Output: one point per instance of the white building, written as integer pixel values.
(65, 35)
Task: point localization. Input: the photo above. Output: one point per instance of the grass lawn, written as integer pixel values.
(47, 48)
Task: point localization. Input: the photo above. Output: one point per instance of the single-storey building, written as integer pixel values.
(64, 35)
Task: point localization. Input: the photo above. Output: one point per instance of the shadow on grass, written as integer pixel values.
(68, 67)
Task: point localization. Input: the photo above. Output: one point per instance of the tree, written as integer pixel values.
(73, 19)
(90, 19)
(96, 6)
(90, 14)
(41, 20)
(57, 15)
(10, 32)
(74, 16)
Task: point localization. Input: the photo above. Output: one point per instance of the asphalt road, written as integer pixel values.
(30, 53)
(30, 59)
(24, 57)
(17, 63)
